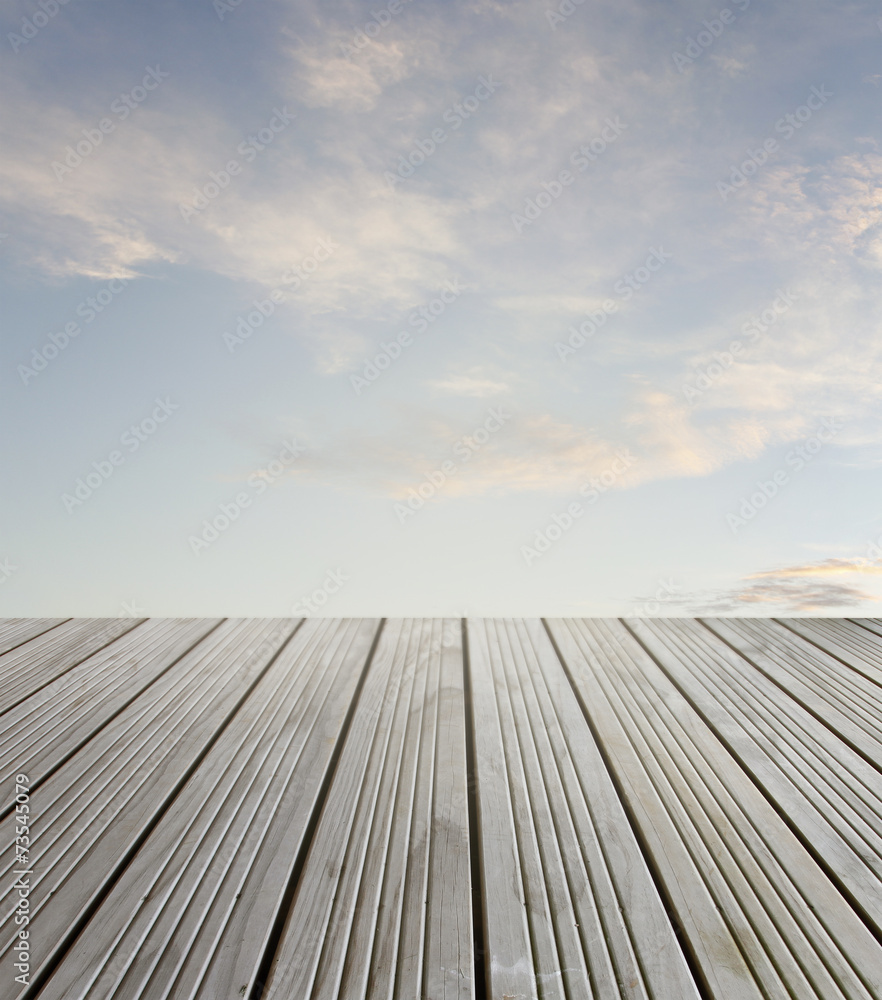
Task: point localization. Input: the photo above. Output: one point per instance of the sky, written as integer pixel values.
(440, 308)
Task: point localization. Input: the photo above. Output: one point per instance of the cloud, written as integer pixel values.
(326, 79)
(829, 214)
(88, 222)
(804, 214)
(663, 429)
(530, 453)
(471, 383)
(804, 589)
(829, 567)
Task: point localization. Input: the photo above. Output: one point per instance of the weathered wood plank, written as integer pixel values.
(191, 915)
(30, 666)
(398, 933)
(367, 891)
(46, 728)
(544, 882)
(702, 900)
(93, 811)
(449, 962)
(854, 645)
(657, 778)
(16, 631)
(839, 697)
(795, 932)
(873, 625)
(583, 874)
(638, 932)
(828, 792)
(508, 947)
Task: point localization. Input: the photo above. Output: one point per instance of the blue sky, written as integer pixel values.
(440, 308)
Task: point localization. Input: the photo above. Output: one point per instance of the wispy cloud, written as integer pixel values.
(362, 102)
(533, 453)
(804, 589)
(471, 383)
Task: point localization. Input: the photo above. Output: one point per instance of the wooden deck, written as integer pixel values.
(650, 809)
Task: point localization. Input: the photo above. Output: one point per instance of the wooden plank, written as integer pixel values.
(369, 888)
(94, 810)
(795, 933)
(698, 895)
(637, 787)
(16, 631)
(192, 913)
(46, 728)
(873, 625)
(508, 947)
(840, 698)
(828, 792)
(612, 937)
(631, 912)
(857, 647)
(449, 961)
(396, 963)
(32, 665)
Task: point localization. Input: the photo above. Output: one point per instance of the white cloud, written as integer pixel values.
(531, 453)
(323, 178)
(326, 79)
(473, 382)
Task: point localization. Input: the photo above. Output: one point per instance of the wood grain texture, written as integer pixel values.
(831, 795)
(191, 914)
(16, 631)
(792, 928)
(94, 810)
(840, 697)
(858, 647)
(33, 664)
(350, 809)
(46, 728)
(370, 890)
(595, 924)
